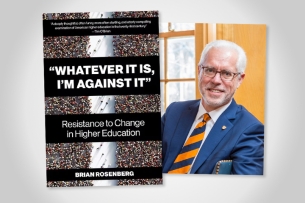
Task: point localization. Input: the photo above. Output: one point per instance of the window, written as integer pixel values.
(177, 63)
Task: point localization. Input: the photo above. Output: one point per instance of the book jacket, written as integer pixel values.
(102, 99)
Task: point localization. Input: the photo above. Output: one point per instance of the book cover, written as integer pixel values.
(102, 99)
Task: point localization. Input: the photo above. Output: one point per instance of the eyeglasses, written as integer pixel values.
(224, 74)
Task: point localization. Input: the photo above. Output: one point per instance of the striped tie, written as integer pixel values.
(184, 160)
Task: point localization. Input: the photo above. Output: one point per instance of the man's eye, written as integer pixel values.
(226, 73)
(210, 70)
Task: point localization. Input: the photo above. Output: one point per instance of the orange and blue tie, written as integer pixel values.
(189, 151)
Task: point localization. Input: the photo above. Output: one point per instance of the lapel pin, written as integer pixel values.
(223, 127)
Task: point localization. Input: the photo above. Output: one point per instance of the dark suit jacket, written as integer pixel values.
(242, 141)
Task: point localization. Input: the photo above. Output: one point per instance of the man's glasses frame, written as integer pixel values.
(224, 74)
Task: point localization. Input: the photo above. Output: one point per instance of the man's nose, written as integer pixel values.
(217, 78)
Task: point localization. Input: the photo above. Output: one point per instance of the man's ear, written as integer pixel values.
(198, 69)
(241, 79)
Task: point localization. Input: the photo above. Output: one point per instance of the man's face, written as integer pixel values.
(215, 91)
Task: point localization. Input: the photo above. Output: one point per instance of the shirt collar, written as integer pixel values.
(213, 114)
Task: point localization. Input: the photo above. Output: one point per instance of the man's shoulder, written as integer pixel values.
(180, 107)
(243, 114)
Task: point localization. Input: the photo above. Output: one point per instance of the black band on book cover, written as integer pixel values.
(104, 173)
(110, 26)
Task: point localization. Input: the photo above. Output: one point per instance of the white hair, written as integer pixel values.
(242, 58)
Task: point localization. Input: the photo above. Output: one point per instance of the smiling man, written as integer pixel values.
(197, 134)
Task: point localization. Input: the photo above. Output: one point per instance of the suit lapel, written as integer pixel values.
(216, 135)
(180, 133)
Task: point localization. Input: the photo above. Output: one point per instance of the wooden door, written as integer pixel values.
(252, 38)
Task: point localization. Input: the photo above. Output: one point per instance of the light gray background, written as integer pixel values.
(22, 154)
